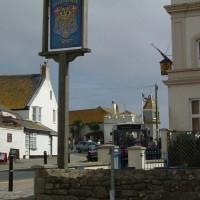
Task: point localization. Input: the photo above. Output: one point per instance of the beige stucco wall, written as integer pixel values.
(184, 81)
(183, 1)
(179, 105)
(184, 20)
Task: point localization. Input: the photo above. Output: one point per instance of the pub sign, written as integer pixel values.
(67, 24)
(165, 66)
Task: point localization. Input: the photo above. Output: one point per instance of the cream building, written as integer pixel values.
(184, 79)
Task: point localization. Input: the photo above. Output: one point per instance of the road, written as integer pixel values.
(17, 175)
(22, 170)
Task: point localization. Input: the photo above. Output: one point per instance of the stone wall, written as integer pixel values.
(130, 184)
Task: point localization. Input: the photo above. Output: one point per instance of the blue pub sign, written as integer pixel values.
(66, 24)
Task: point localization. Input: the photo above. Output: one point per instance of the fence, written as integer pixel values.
(183, 149)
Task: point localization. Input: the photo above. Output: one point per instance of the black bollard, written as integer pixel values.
(45, 157)
(10, 184)
(68, 157)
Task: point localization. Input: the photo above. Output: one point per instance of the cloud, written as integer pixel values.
(122, 61)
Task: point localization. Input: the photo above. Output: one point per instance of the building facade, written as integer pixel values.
(184, 79)
(31, 96)
(29, 138)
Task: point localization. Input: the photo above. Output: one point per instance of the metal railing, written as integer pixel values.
(154, 159)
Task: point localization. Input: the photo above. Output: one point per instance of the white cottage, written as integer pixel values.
(29, 139)
(31, 96)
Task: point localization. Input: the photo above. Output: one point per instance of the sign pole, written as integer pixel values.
(64, 38)
(63, 112)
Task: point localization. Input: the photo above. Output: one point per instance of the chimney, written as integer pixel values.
(45, 70)
(115, 108)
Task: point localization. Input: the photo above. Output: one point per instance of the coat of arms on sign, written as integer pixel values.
(65, 20)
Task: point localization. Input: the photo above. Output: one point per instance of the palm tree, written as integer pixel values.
(78, 125)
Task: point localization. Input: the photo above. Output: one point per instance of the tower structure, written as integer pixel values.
(149, 115)
(184, 79)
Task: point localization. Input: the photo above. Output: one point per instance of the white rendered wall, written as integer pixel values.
(18, 141)
(42, 99)
(109, 121)
(54, 145)
(43, 144)
(107, 130)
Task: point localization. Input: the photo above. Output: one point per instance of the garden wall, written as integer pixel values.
(130, 184)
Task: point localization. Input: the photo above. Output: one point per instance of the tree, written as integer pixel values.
(95, 132)
(94, 126)
(78, 126)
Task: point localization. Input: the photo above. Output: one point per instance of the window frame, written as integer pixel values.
(195, 51)
(31, 141)
(37, 114)
(194, 115)
(198, 52)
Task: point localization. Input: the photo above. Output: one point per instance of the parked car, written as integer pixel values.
(92, 155)
(85, 146)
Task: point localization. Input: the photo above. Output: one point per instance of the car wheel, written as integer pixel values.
(78, 149)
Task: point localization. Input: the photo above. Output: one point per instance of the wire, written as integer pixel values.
(169, 45)
(119, 90)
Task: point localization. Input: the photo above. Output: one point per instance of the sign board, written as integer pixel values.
(165, 66)
(3, 157)
(67, 24)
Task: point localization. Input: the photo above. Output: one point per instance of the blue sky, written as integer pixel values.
(121, 64)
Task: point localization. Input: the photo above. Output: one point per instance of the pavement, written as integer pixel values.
(24, 189)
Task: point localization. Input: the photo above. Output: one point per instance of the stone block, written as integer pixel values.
(39, 185)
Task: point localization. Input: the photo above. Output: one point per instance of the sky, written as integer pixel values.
(122, 62)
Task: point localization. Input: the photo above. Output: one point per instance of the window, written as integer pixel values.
(50, 95)
(54, 116)
(9, 137)
(27, 141)
(31, 140)
(154, 114)
(195, 114)
(37, 114)
(34, 114)
(198, 53)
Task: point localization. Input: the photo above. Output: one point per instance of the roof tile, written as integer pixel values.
(17, 90)
(88, 115)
